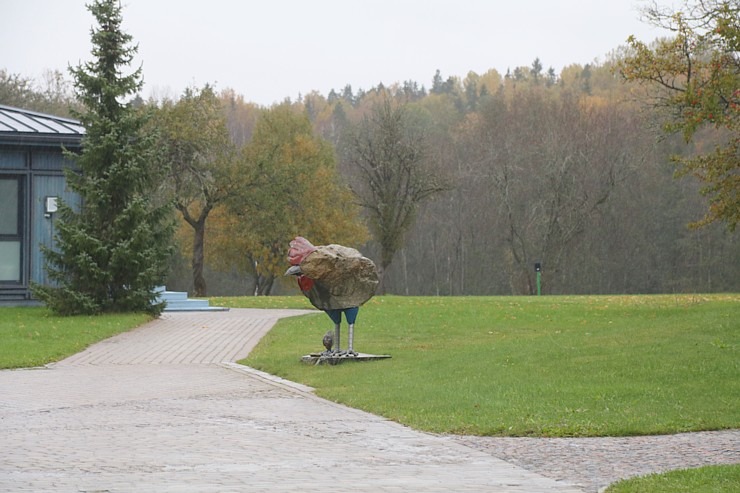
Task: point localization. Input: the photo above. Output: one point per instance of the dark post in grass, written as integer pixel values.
(538, 270)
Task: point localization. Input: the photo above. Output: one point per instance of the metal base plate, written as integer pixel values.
(329, 359)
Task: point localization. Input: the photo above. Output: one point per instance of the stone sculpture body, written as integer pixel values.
(335, 279)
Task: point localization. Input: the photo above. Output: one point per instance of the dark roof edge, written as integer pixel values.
(49, 140)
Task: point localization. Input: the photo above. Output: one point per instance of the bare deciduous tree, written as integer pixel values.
(550, 174)
(393, 175)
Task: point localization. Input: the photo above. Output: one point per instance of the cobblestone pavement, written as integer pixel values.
(163, 408)
(595, 463)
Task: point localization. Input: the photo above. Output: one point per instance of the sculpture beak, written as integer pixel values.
(295, 270)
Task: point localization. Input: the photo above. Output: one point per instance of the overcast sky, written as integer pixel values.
(268, 50)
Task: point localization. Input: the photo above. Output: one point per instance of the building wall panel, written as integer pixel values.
(43, 224)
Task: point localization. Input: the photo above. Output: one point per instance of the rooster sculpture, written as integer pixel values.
(335, 279)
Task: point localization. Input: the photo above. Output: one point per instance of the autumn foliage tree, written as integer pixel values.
(286, 185)
(693, 77)
(198, 149)
(558, 168)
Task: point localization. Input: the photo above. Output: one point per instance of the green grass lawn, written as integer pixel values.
(33, 336)
(281, 302)
(710, 479)
(529, 366)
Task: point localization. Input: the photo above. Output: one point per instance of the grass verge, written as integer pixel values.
(33, 336)
(530, 366)
(709, 479)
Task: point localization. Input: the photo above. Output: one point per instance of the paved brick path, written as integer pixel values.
(163, 409)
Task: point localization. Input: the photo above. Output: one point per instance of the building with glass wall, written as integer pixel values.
(32, 183)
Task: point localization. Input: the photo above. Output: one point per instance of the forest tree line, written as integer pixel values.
(455, 190)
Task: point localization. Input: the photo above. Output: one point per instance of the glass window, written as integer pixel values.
(10, 261)
(10, 235)
(9, 206)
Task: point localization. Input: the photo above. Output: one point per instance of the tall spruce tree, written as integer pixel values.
(112, 252)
